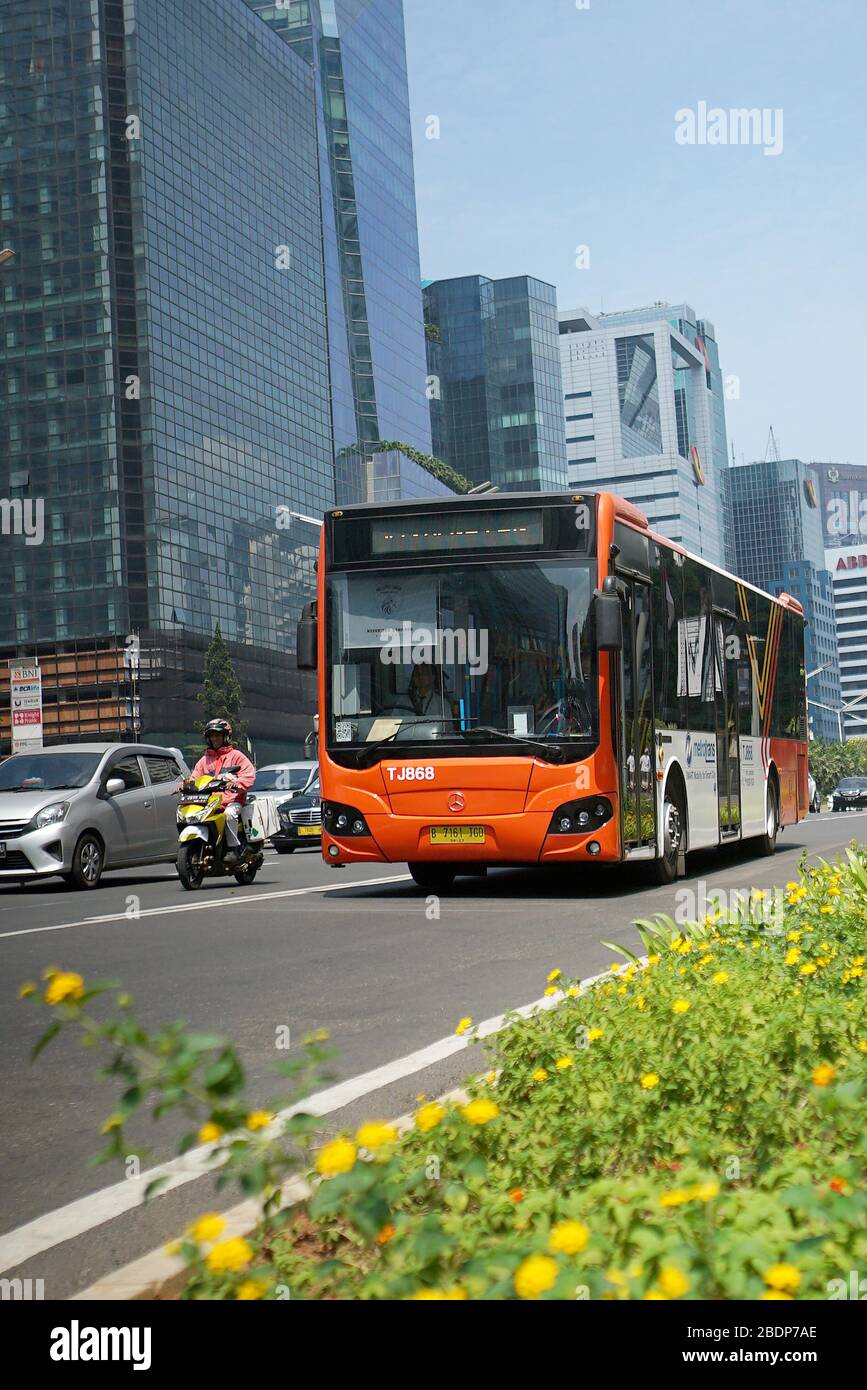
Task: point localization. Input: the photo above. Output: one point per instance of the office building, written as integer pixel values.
(494, 381)
(775, 540)
(843, 498)
(644, 415)
(211, 295)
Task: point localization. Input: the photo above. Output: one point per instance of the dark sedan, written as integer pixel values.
(849, 792)
(300, 822)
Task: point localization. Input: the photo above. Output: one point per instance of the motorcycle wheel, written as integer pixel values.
(190, 869)
(246, 875)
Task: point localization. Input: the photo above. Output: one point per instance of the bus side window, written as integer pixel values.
(667, 629)
(698, 667)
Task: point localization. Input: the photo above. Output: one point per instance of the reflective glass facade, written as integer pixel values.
(496, 407)
(638, 390)
(205, 304)
(775, 539)
(357, 51)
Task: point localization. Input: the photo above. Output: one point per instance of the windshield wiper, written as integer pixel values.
(551, 752)
(364, 757)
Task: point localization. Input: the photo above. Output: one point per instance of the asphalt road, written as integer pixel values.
(354, 951)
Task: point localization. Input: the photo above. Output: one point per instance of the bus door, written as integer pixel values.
(637, 767)
(728, 770)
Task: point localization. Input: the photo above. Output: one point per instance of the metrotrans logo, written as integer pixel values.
(701, 749)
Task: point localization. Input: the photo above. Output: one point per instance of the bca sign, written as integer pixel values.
(25, 704)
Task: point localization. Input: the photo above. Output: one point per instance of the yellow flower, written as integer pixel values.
(554, 975)
(594, 1034)
(573, 992)
(720, 978)
(808, 969)
(823, 1074)
(534, 1275)
(653, 960)
(705, 1191)
(258, 1119)
(113, 1122)
(337, 1157)
(616, 966)
(784, 1277)
(640, 1002)
(540, 1074)
(568, 1237)
(793, 956)
(375, 1136)
(672, 1281)
(229, 1256)
(479, 1112)
(675, 1198)
(649, 1080)
(759, 894)
(564, 1063)
(862, 1046)
(793, 936)
(462, 1027)
(209, 1132)
(26, 989)
(623, 989)
(250, 1290)
(550, 991)
(655, 1296)
(827, 908)
(438, 1295)
(208, 1227)
(64, 985)
(429, 1116)
(774, 1295)
(859, 960)
(680, 1006)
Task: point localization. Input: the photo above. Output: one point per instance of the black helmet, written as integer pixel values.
(218, 726)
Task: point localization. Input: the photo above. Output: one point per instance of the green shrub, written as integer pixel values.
(689, 1127)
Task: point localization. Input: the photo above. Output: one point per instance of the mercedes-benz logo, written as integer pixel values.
(456, 801)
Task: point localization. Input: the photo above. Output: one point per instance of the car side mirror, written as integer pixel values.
(307, 639)
(114, 786)
(609, 617)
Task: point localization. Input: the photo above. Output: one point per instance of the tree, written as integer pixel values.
(831, 761)
(221, 695)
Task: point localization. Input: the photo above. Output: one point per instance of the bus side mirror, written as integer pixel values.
(308, 630)
(609, 619)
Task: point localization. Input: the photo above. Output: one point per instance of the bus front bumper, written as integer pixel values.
(518, 839)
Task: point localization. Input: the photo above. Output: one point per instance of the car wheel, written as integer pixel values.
(87, 863)
(436, 878)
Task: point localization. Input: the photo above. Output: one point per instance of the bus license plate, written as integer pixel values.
(457, 834)
(309, 829)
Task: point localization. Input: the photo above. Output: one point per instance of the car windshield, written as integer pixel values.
(500, 651)
(36, 772)
(850, 784)
(282, 779)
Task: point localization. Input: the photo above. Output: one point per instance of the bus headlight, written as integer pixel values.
(343, 822)
(580, 817)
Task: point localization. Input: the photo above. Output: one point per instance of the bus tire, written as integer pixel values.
(674, 830)
(435, 878)
(768, 841)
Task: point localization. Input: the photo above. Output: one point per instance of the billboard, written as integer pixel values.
(25, 703)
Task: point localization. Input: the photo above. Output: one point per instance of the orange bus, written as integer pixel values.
(542, 679)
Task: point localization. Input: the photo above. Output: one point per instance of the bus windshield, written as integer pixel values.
(466, 654)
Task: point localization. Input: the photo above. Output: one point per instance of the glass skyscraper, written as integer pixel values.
(205, 305)
(775, 540)
(645, 416)
(495, 388)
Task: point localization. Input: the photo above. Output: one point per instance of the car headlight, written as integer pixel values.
(51, 815)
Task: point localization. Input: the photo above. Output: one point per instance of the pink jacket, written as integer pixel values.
(215, 760)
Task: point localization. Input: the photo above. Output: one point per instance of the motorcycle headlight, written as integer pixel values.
(51, 815)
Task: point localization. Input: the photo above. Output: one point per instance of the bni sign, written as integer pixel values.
(25, 702)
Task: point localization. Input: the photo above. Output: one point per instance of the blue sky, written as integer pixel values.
(556, 129)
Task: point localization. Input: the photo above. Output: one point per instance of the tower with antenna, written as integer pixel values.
(772, 451)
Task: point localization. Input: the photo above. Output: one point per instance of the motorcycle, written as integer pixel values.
(202, 837)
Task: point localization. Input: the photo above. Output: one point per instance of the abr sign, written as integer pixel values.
(852, 562)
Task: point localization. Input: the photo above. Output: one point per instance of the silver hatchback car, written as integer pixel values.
(79, 808)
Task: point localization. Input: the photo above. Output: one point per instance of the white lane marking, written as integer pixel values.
(217, 902)
(73, 1220)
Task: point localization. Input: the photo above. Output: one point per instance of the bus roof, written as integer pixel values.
(625, 511)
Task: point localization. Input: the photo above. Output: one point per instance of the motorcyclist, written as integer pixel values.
(219, 755)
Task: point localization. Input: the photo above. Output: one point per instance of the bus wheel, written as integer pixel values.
(436, 878)
(768, 841)
(665, 868)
